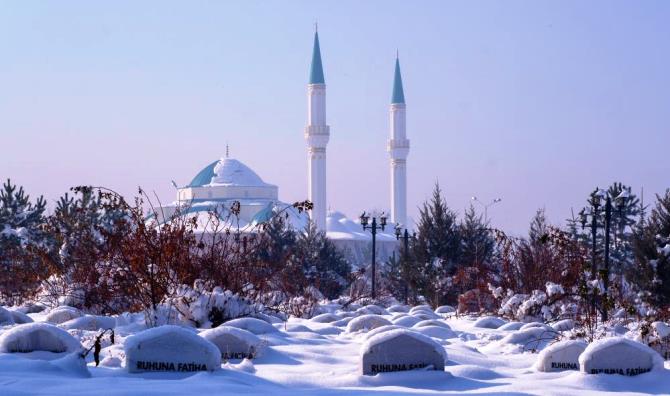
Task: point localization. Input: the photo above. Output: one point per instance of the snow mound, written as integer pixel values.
(170, 348)
(562, 355)
(440, 332)
(619, 355)
(426, 315)
(342, 322)
(381, 329)
(89, 322)
(21, 318)
(400, 308)
(407, 321)
(253, 325)
(662, 329)
(73, 363)
(401, 350)
(563, 325)
(432, 322)
(6, 317)
(445, 309)
(366, 322)
(533, 325)
(325, 318)
(62, 314)
(489, 322)
(372, 309)
(233, 343)
(32, 337)
(511, 326)
(419, 308)
(532, 338)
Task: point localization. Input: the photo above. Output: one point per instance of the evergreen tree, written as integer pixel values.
(652, 252)
(324, 266)
(437, 249)
(476, 251)
(21, 236)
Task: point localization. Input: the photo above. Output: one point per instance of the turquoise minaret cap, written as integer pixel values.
(398, 93)
(316, 71)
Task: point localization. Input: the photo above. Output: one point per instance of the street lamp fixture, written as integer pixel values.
(365, 222)
(486, 206)
(405, 257)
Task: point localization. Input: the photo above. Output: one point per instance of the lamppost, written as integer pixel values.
(373, 230)
(596, 203)
(405, 257)
(486, 206)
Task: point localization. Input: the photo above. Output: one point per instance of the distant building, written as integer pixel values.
(225, 181)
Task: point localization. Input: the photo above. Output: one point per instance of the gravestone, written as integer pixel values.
(253, 325)
(89, 322)
(432, 322)
(401, 350)
(20, 317)
(407, 321)
(325, 318)
(445, 309)
(489, 322)
(62, 314)
(172, 349)
(511, 326)
(563, 325)
(563, 355)
(233, 343)
(32, 337)
(6, 317)
(618, 355)
(366, 322)
(440, 332)
(398, 308)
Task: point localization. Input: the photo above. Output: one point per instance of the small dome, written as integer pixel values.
(227, 172)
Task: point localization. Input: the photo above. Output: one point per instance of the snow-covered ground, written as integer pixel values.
(310, 357)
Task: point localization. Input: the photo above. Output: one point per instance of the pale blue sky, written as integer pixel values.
(534, 101)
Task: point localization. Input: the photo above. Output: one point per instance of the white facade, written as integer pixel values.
(317, 134)
(398, 148)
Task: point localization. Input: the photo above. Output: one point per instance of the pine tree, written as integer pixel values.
(476, 250)
(324, 266)
(651, 248)
(437, 249)
(21, 237)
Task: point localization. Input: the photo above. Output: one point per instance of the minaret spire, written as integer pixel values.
(398, 148)
(316, 70)
(317, 134)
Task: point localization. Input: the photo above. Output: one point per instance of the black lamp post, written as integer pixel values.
(405, 257)
(365, 219)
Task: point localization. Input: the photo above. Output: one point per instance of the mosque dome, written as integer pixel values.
(228, 179)
(227, 172)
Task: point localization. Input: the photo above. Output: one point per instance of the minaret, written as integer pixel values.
(398, 148)
(317, 134)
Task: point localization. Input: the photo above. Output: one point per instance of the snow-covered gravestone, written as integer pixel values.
(563, 355)
(366, 323)
(62, 314)
(170, 348)
(6, 317)
(401, 350)
(233, 343)
(618, 355)
(489, 322)
(253, 325)
(32, 337)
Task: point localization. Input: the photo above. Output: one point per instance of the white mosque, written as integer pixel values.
(217, 186)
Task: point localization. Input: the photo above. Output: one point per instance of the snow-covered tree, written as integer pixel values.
(437, 249)
(21, 238)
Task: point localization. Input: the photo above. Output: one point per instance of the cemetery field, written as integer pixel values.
(326, 355)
